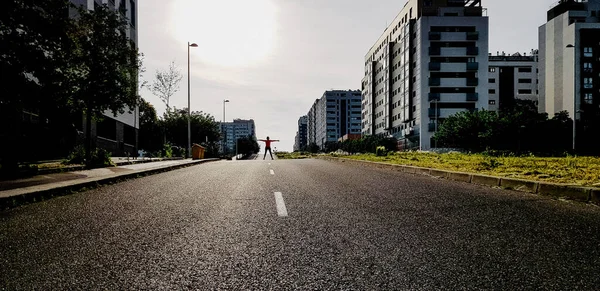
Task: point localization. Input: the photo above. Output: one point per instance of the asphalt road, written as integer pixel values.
(307, 224)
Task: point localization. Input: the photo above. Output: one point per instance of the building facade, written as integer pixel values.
(569, 66)
(430, 63)
(117, 134)
(232, 131)
(512, 77)
(301, 140)
(335, 114)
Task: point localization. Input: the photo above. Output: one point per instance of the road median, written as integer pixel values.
(554, 190)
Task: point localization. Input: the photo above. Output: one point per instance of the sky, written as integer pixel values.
(272, 58)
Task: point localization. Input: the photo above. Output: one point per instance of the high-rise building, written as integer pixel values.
(335, 114)
(569, 67)
(512, 77)
(301, 134)
(431, 62)
(232, 131)
(117, 134)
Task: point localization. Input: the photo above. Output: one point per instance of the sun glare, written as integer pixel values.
(229, 33)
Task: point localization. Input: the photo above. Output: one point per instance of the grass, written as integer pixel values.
(292, 156)
(584, 171)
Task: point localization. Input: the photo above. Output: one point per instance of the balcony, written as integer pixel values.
(434, 113)
(435, 35)
(472, 97)
(435, 51)
(474, 66)
(472, 51)
(473, 35)
(472, 82)
(434, 81)
(432, 127)
(434, 97)
(435, 66)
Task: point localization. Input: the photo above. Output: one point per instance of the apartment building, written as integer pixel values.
(512, 77)
(301, 140)
(569, 67)
(431, 62)
(117, 134)
(232, 131)
(335, 114)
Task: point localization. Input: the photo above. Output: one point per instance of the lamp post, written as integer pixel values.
(574, 98)
(222, 125)
(189, 149)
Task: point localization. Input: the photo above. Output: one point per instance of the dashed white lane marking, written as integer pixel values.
(272, 173)
(281, 210)
(269, 164)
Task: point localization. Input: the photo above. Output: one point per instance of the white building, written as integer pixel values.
(569, 65)
(512, 77)
(116, 134)
(334, 115)
(232, 131)
(430, 63)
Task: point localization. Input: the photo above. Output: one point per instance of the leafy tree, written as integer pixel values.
(472, 131)
(150, 132)
(313, 148)
(107, 62)
(202, 125)
(247, 146)
(166, 83)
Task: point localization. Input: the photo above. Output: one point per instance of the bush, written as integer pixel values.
(99, 158)
(167, 151)
(380, 151)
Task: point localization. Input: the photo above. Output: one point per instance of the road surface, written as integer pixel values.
(299, 224)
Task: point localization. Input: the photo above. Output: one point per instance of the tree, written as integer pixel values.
(247, 146)
(35, 74)
(203, 127)
(150, 133)
(166, 84)
(313, 148)
(470, 130)
(107, 62)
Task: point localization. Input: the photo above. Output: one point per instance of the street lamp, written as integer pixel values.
(574, 98)
(222, 125)
(189, 149)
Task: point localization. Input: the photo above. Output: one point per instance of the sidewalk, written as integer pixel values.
(12, 192)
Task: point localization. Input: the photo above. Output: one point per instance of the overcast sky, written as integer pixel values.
(273, 58)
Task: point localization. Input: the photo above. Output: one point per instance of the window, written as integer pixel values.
(588, 98)
(587, 67)
(524, 81)
(492, 70)
(132, 11)
(492, 81)
(492, 102)
(588, 52)
(492, 91)
(588, 83)
(525, 70)
(524, 91)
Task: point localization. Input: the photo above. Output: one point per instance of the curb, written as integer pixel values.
(564, 191)
(41, 195)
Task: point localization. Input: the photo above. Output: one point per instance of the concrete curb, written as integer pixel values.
(570, 192)
(33, 196)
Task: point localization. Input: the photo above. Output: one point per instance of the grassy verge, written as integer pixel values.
(583, 171)
(292, 156)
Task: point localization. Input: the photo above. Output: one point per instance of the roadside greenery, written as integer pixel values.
(293, 156)
(570, 170)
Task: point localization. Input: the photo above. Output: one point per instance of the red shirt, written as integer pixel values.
(267, 142)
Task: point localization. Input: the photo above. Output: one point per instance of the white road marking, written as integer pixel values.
(272, 173)
(269, 164)
(281, 210)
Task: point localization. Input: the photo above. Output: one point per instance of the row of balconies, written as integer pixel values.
(470, 51)
(437, 82)
(435, 112)
(437, 97)
(471, 35)
(435, 66)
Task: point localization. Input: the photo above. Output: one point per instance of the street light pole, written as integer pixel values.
(574, 97)
(222, 125)
(189, 148)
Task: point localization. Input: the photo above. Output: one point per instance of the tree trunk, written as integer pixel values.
(88, 136)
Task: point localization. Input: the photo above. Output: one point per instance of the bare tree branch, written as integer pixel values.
(166, 83)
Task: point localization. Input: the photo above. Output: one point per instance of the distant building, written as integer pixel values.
(301, 140)
(349, 136)
(431, 62)
(512, 77)
(232, 131)
(335, 114)
(570, 65)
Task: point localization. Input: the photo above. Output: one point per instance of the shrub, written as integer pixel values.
(380, 151)
(99, 157)
(167, 151)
